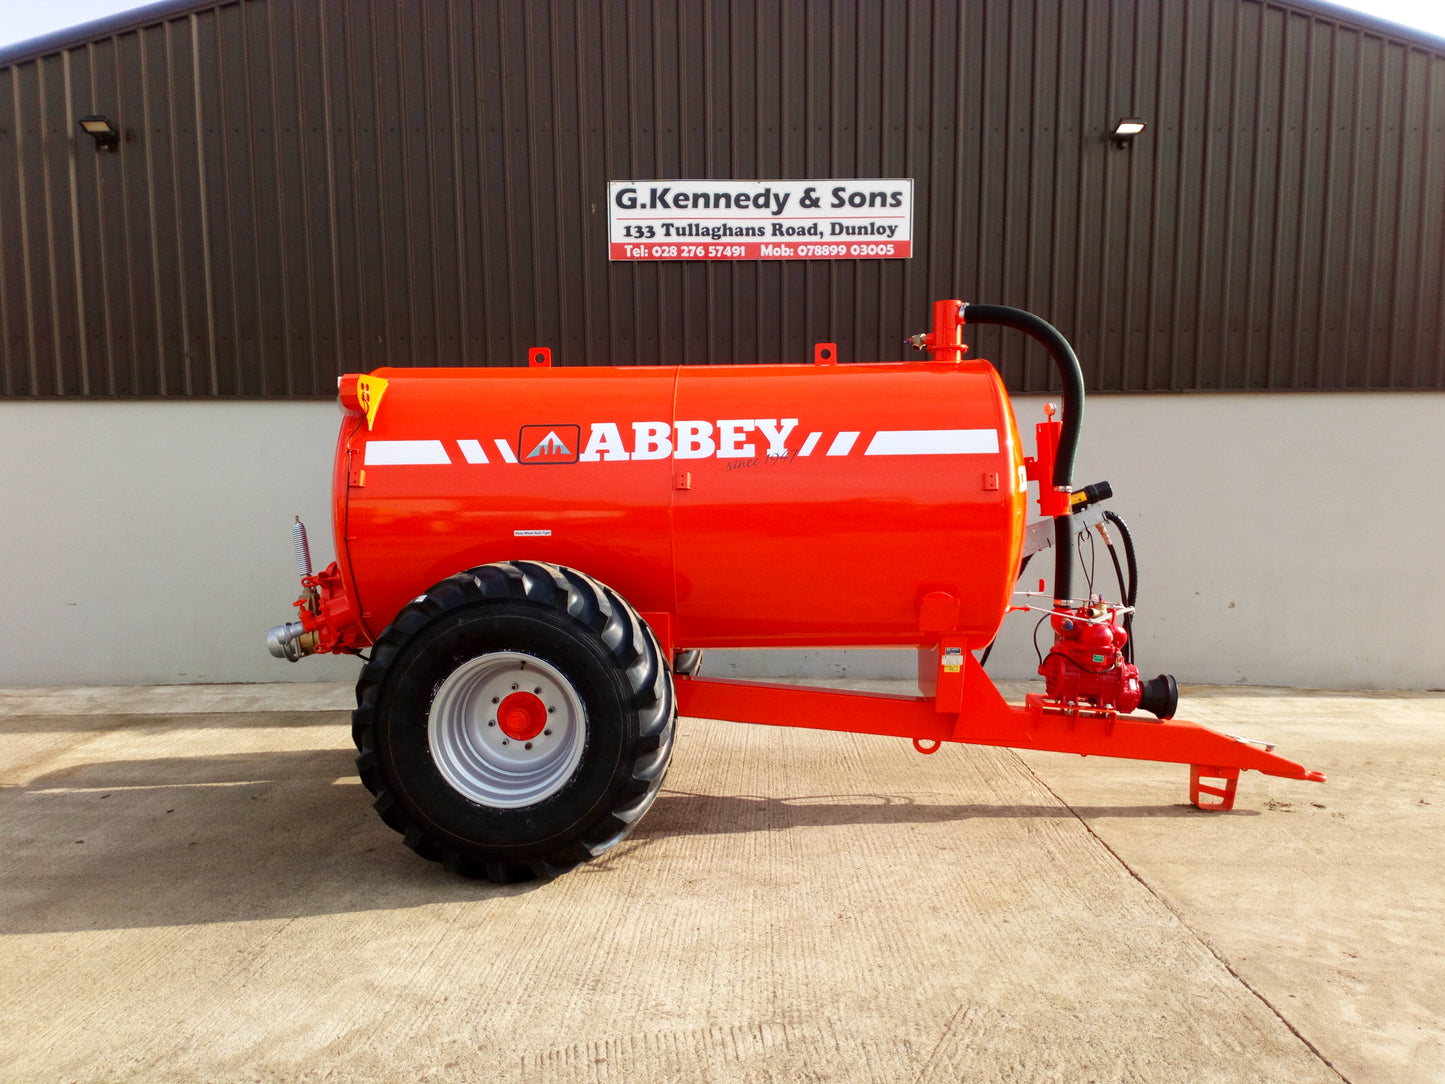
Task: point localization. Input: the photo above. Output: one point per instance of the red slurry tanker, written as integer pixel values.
(536, 557)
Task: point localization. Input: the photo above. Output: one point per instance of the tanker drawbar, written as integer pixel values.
(531, 561)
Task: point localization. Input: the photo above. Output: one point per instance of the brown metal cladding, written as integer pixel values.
(311, 187)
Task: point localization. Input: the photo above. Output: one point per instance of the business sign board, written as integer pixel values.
(760, 220)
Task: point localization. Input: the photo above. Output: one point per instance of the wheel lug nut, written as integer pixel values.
(551, 711)
(514, 686)
(538, 690)
(529, 745)
(504, 741)
(491, 722)
(546, 733)
(496, 700)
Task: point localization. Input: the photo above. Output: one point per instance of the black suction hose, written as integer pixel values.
(1067, 363)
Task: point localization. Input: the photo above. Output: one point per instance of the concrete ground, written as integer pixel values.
(194, 888)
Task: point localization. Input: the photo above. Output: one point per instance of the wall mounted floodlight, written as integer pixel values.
(99, 128)
(1125, 131)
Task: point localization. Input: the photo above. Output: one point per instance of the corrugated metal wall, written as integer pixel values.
(308, 187)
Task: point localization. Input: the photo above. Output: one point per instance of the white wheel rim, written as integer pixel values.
(478, 757)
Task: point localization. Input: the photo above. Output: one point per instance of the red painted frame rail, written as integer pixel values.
(986, 718)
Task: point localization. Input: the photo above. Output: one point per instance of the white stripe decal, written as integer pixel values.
(405, 453)
(842, 444)
(933, 442)
(505, 449)
(810, 444)
(473, 451)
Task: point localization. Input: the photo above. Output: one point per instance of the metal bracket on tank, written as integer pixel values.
(1039, 535)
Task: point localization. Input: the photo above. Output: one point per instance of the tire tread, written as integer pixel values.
(585, 602)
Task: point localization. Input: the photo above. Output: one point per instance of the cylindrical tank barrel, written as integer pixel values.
(767, 505)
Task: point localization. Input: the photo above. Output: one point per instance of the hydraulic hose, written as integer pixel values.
(1131, 593)
(1072, 375)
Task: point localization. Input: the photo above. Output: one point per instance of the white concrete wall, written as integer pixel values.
(149, 543)
(1288, 539)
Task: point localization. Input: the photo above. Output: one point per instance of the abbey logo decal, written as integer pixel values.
(723, 439)
(549, 444)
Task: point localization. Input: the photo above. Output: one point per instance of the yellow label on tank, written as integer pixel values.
(369, 390)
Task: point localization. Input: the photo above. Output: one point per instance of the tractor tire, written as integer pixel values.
(514, 720)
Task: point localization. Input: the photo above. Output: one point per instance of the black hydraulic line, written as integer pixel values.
(983, 659)
(1131, 595)
(1072, 375)
(1119, 574)
(1123, 595)
(1114, 518)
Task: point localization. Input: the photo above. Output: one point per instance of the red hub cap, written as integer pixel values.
(522, 716)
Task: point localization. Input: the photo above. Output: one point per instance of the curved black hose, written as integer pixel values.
(1123, 594)
(1119, 574)
(1131, 593)
(1072, 375)
(1114, 518)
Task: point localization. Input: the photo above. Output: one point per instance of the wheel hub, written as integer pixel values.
(522, 716)
(506, 729)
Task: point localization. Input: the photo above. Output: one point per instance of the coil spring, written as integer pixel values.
(303, 548)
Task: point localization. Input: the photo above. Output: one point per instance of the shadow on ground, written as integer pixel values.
(680, 813)
(167, 841)
(225, 838)
(161, 723)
